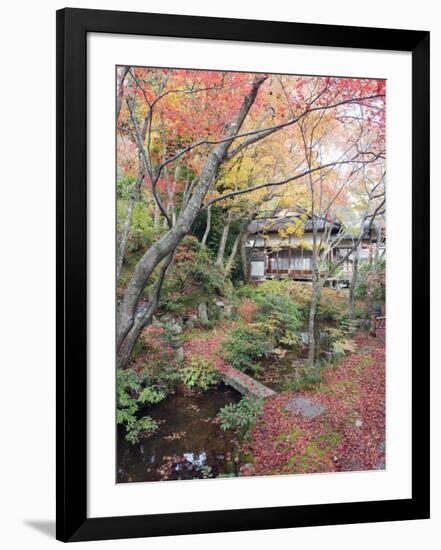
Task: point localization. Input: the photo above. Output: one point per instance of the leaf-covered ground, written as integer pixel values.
(348, 435)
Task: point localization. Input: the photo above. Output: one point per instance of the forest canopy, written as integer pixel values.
(204, 153)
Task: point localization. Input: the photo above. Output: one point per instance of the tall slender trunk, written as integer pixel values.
(222, 245)
(233, 253)
(156, 216)
(377, 246)
(369, 295)
(353, 285)
(207, 228)
(124, 237)
(171, 188)
(244, 255)
(315, 296)
(120, 93)
(371, 315)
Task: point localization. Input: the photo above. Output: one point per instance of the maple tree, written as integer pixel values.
(194, 139)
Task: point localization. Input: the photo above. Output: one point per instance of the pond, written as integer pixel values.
(278, 373)
(187, 445)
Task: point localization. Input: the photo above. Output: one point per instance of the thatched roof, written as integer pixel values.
(274, 225)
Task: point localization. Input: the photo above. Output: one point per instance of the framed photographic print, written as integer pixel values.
(242, 274)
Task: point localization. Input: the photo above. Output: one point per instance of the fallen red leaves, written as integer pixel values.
(349, 435)
(208, 346)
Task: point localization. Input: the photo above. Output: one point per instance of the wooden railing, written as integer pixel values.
(380, 322)
(297, 272)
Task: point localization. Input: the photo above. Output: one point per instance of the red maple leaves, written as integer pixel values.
(348, 435)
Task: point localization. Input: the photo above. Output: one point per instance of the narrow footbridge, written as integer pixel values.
(244, 384)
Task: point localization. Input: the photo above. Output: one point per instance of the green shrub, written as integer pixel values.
(371, 276)
(306, 379)
(342, 347)
(240, 416)
(292, 341)
(133, 393)
(264, 288)
(344, 323)
(329, 312)
(359, 313)
(140, 348)
(124, 186)
(142, 231)
(200, 374)
(335, 334)
(244, 346)
(165, 374)
(279, 314)
(194, 278)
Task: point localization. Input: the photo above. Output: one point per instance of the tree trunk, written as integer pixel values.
(133, 199)
(232, 256)
(207, 228)
(353, 285)
(203, 313)
(120, 94)
(143, 319)
(315, 295)
(144, 316)
(171, 188)
(244, 256)
(222, 245)
(165, 246)
(369, 295)
(371, 314)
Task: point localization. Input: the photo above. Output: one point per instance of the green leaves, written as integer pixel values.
(341, 347)
(240, 416)
(200, 374)
(142, 426)
(132, 393)
(245, 346)
(151, 395)
(280, 314)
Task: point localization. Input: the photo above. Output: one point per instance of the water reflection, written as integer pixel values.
(188, 443)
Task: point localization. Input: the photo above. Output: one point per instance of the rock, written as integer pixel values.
(203, 313)
(228, 311)
(358, 423)
(173, 331)
(178, 354)
(220, 307)
(191, 322)
(305, 407)
(323, 340)
(247, 470)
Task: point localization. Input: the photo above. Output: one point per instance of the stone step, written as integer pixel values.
(244, 384)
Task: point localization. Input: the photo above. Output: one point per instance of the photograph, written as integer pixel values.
(250, 274)
(227, 228)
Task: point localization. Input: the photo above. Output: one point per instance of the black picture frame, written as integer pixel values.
(72, 28)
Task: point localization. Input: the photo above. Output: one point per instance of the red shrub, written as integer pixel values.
(247, 310)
